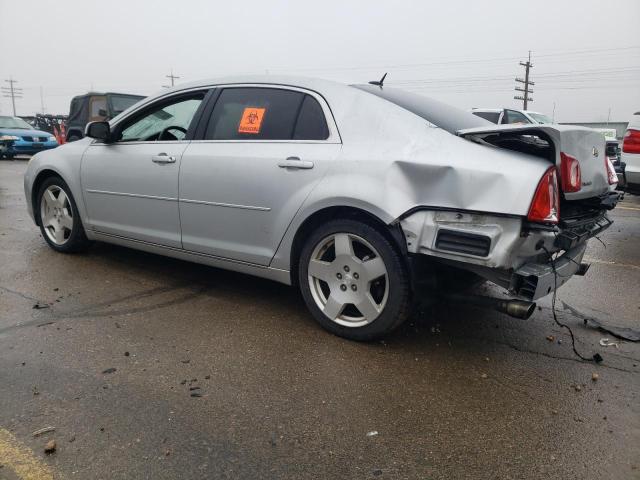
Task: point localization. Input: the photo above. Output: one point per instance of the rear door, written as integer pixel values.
(263, 150)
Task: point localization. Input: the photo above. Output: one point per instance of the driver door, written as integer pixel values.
(130, 186)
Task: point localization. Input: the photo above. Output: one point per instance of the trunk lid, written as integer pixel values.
(547, 141)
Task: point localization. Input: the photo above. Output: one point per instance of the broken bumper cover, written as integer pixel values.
(502, 249)
(535, 280)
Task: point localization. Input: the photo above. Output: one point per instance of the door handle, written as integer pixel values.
(295, 162)
(163, 158)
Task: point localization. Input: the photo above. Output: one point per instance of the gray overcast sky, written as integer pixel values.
(586, 53)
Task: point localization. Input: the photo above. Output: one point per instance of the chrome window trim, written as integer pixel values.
(334, 133)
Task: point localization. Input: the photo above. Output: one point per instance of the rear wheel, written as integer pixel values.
(353, 280)
(58, 217)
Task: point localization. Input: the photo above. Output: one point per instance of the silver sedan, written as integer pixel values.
(355, 194)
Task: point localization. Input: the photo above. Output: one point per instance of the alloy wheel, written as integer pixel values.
(348, 279)
(56, 215)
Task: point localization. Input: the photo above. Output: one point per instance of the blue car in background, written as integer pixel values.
(17, 137)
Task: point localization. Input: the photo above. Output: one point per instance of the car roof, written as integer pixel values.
(309, 83)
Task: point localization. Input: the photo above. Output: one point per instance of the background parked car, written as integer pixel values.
(95, 107)
(21, 138)
(631, 152)
(509, 115)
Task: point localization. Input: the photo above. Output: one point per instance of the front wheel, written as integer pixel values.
(58, 217)
(353, 280)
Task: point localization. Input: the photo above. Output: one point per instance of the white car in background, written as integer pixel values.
(510, 116)
(631, 152)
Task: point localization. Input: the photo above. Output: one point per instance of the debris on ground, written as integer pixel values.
(484, 375)
(72, 439)
(50, 447)
(40, 306)
(604, 342)
(196, 394)
(620, 332)
(185, 361)
(372, 433)
(577, 388)
(44, 324)
(551, 338)
(42, 431)
(595, 377)
(109, 370)
(126, 354)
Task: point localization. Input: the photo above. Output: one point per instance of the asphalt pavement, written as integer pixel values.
(149, 367)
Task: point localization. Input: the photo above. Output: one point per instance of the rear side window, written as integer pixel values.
(254, 114)
(493, 117)
(311, 124)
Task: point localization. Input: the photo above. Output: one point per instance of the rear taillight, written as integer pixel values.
(569, 173)
(545, 206)
(631, 142)
(611, 171)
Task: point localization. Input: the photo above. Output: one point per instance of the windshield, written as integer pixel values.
(119, 103)
(540, 118)
(437, 113)
(14, 122)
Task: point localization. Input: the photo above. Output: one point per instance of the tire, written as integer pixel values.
(354, 282)
(57, 214)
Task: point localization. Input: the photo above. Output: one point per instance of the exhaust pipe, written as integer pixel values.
(514, 308)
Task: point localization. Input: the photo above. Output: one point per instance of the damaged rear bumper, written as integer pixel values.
(535, 280)
(502, 249)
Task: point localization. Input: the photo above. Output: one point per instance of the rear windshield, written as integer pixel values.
(439, 114)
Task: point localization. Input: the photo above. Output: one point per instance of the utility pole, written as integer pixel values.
(527, 82)
(172, 77)
(12, 92)
(41, 100)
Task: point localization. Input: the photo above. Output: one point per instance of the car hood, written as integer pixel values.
(20, 132)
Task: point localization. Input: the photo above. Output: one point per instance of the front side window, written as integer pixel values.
(266, 114)
(166, 122)
(515, 117)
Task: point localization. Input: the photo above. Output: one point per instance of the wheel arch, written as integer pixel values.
(37, 182)
(393, 232)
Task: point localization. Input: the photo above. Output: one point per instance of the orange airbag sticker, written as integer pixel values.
(251, 120)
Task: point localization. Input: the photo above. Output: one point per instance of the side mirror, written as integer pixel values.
(98, 130)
